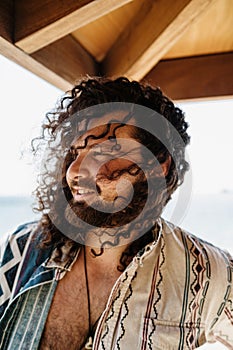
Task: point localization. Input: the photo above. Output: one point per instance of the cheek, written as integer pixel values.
(114, 166)
(110, 190)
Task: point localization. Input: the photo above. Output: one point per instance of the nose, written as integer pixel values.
(85, 166)
(79, 168)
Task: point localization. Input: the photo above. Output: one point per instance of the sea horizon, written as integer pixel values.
(208, 216)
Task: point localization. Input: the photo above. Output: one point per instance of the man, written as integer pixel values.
(102, 269)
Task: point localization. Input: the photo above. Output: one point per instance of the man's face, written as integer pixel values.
(104, 171)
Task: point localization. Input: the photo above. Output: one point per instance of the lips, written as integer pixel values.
(82, 193)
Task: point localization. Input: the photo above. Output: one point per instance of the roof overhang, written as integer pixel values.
(183, 46)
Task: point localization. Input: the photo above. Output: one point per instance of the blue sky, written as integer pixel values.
(26, 98)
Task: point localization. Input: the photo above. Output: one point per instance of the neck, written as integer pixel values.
(110, 254)
(108, 259)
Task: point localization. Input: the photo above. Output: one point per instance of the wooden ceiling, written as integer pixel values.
(183, 46)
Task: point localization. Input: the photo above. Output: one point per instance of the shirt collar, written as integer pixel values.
(63, 258)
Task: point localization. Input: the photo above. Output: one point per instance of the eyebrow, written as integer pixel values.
(74, 148)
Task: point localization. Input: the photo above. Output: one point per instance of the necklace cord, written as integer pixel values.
(90, 336)
(88, 292)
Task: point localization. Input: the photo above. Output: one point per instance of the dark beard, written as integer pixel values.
(84, 223)
(101, 217)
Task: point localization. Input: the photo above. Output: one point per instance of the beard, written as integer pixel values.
(99, 228)
(103, 217)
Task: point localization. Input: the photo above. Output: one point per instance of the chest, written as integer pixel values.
(67, 325)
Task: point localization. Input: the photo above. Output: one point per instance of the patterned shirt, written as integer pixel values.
(175, 294)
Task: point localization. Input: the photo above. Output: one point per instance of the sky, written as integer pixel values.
(25, 98)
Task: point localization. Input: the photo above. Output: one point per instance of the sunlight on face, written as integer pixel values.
(109, 164)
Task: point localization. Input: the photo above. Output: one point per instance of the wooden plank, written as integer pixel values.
(39, 23)
(98, 36)
(6, 19)
(198, 77)
(206, 36)
(67, 58)
(153, 31)
(18, 56)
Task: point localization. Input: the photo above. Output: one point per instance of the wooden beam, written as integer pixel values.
(152, 32)
(7, 19)
(67, 58)
(21, 58)
(39, 23)
(198, 77)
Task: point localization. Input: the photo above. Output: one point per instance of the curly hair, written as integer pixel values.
(91, 92)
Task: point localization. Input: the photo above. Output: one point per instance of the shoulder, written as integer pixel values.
(13, 244)
(178, 234)
(13, 250)
(217, 262)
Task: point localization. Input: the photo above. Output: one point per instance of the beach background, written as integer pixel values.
(206, 206)
(208, 216)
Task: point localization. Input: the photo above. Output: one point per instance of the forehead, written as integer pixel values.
(113, 116)
(97, 126)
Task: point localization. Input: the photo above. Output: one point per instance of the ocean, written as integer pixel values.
(207, 216)
(15, 211)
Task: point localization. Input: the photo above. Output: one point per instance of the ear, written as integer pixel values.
(163, 169)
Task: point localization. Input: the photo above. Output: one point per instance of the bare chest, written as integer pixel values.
(67, 325)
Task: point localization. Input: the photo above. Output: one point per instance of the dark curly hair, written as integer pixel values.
(96, 91)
